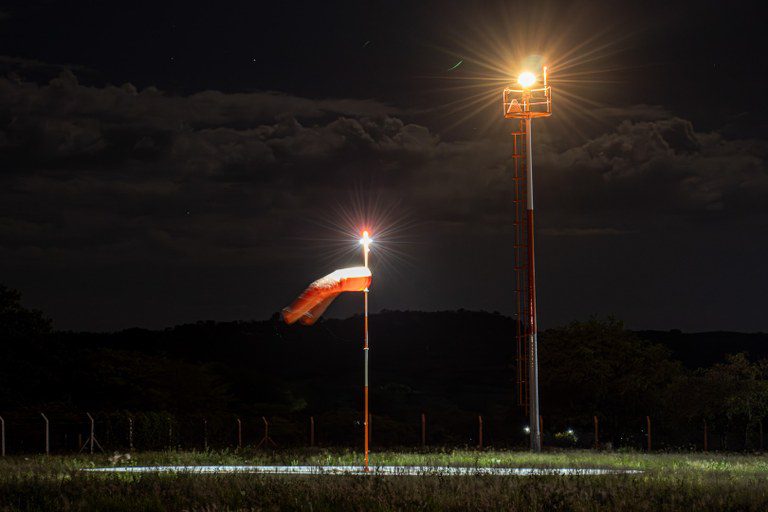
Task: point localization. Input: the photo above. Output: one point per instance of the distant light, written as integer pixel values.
(527, 430)
(526, 79)
(570, 431)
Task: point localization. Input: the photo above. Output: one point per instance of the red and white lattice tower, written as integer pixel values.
(530, 98)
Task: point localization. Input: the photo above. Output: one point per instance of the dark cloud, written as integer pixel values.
(641, 112)
(583, 232)
(661, 169)
(95, 177)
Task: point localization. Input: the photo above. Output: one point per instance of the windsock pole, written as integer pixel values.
(366, 242)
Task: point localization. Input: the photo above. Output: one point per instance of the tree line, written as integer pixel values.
(450, 365)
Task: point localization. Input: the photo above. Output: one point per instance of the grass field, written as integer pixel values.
(669, 482)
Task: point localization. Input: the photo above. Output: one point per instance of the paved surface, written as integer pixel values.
(359, 470)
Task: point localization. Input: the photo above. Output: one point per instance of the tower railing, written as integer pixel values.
(527, 103)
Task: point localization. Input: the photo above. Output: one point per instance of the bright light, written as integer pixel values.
(526, 79)
(570, 431)
(527, 430)
(366, 240)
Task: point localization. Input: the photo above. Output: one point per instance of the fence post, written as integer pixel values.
(597, 432)
(480, 432)
(239, 434)
(648, 424)
(47, 434)
(170, 432)
(370, 429)
(311, 431)
(130, 433)
(266, 439)
(93, 428)
(92, 437)
(706, 437)
(541, 429)
(205, 434)
(423, 430)
(2, 435)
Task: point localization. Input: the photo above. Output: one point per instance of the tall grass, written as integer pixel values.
(669, 482)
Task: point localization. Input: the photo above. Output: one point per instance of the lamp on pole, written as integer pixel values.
(530, 98)
(365, 241)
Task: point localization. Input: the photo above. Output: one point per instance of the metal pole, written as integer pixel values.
(423, 429)
(93, 428)
(92, 441)
(480, 432)
(533, 342)
(311, 431)
(541, 428)
(205, 434)
(648, 424)
(2, 435)
(130, 433)
(47, 434)
(597, 433)
(239, 434)
(366, 416)
(266, 440)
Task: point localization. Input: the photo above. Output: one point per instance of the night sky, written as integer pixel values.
(172, 162)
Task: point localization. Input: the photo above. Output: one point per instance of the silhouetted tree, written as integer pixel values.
(22, 334)
(16, 321)
(739, 390)
(599, 367)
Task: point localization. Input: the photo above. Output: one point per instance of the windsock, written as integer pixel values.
(313, 301)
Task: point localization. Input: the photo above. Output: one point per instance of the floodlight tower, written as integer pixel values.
(530, 98)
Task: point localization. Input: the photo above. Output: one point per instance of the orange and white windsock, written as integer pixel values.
(313, 301)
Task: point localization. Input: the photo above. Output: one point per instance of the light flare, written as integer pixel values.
(526, 79)
(336, 238)
(583, 57)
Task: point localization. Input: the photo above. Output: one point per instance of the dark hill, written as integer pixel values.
(452, 365)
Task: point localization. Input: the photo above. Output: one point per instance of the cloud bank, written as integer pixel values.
(93, 174)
